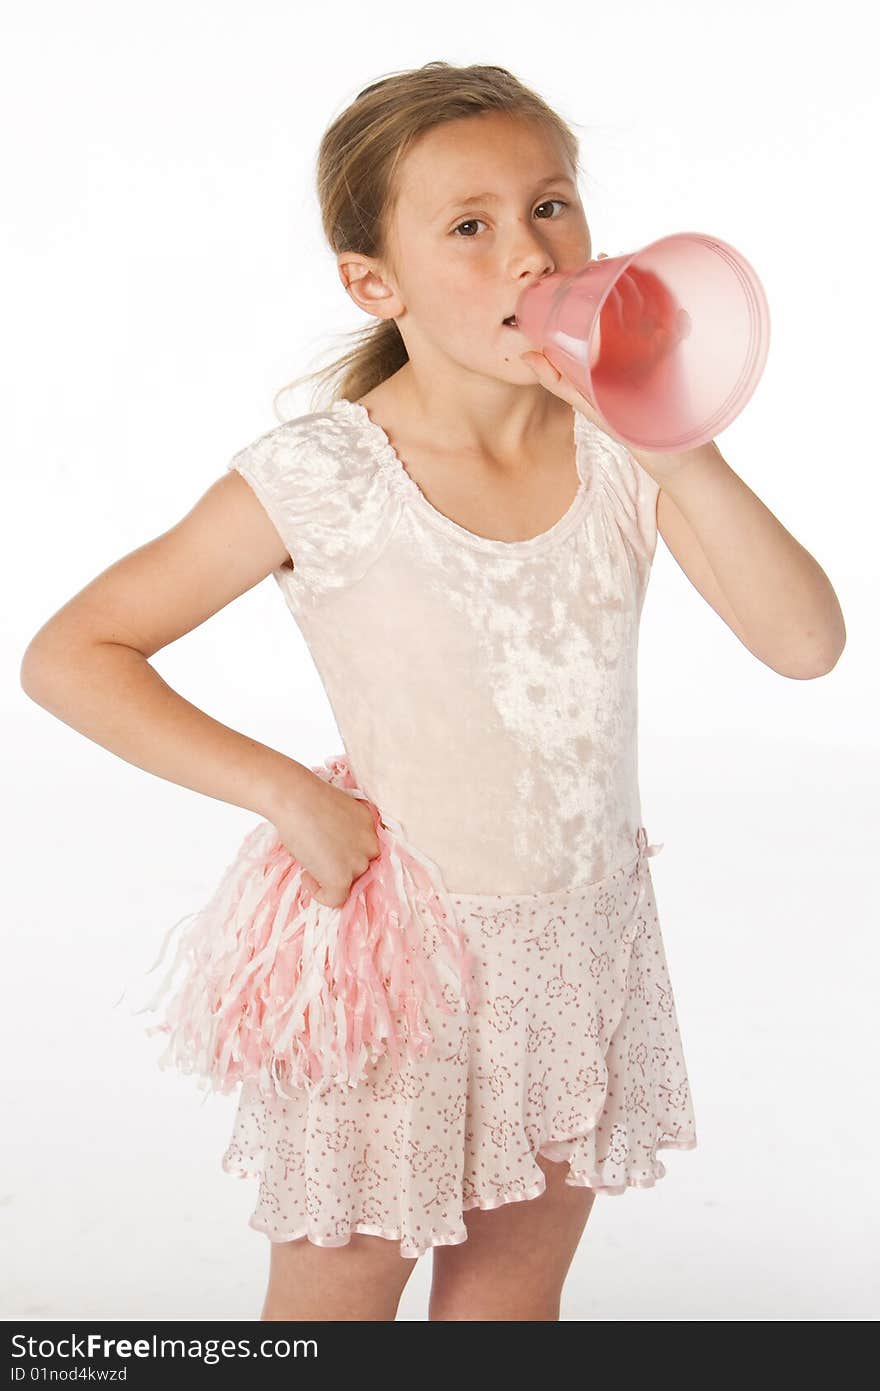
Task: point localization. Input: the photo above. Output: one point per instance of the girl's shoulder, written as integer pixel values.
(326, 493)
(314, 449)
(627, 492)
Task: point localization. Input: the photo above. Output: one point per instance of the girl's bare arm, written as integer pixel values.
(88, 665)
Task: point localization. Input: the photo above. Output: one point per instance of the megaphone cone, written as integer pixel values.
(667, 343)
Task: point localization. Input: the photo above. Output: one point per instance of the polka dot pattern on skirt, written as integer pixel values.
(573, 1052)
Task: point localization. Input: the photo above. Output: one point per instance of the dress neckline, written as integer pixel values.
(402, 479)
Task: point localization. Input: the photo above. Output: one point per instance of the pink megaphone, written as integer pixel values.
(667, 343)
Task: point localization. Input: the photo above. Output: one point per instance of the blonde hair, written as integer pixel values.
(357, 164)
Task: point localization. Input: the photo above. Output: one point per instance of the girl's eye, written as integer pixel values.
(471, 220)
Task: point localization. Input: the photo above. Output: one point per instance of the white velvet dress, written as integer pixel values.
(486, 696)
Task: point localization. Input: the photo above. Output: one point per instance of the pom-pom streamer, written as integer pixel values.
(292, 993)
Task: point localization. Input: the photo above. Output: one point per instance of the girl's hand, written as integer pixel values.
(552, 378)
(554, 381)
(629, 301)
(332, 833)
(636, 295)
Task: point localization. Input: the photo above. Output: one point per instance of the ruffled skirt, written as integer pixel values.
(571, 1051)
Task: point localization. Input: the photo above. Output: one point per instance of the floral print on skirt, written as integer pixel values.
(573, 1052)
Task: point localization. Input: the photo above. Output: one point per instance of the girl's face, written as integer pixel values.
(487, 205)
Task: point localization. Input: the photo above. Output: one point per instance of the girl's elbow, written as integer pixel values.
(819, 665)
(38, 667)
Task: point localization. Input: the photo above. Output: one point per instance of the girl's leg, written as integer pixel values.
(361, 1281)
(515, 1260)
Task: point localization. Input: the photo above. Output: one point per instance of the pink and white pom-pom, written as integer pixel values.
(291, 993)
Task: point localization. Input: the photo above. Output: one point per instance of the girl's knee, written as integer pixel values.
(512, 1305)
(361, 1280)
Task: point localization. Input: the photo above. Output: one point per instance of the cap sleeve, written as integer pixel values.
(628, 492)
(326, 497)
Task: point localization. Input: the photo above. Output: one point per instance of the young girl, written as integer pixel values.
(466, 551)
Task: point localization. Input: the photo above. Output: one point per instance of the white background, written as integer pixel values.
(164, 273)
